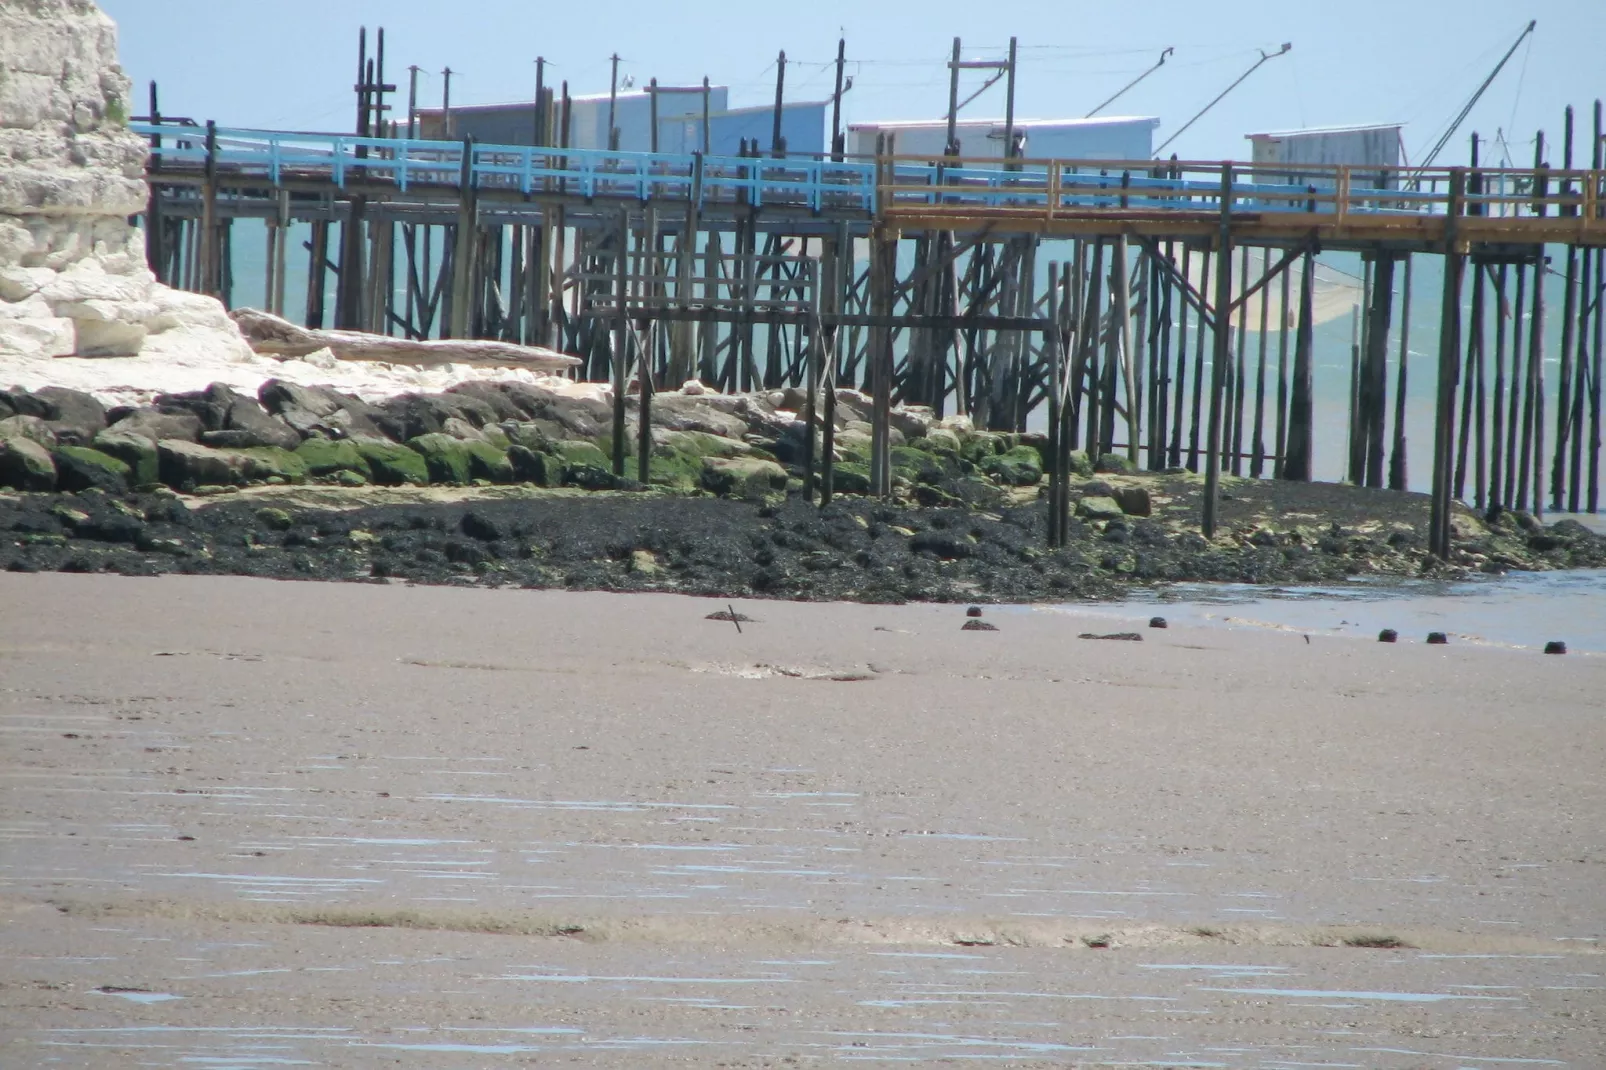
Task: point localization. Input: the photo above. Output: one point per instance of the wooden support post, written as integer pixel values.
(883, 263)
(317, 272)
(1175, 460)
(1596, 361)
(463, 248)
(1051, 354)
(1233, 434)
(1575, 469)
(1374, 383)
(1564, 384)
(1197, 412)
(282, 224)
(1518, 382)
(621, 296)
(1258, 437)
(1123, 333)
(1220, 355)
(811, 384)
(1397, 459)
(1087, 375)
(1281, 445)
(1449, 352)
(1536, 386)
(1298, 448)
(1480, 464)
(210, 273)
(1468, 378)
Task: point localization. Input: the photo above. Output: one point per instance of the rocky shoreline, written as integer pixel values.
(509, 484)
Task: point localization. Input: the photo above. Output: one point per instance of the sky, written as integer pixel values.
(290, 64)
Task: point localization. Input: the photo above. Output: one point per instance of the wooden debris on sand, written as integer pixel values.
(274, 336)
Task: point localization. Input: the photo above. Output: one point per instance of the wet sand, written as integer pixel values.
(367, 824)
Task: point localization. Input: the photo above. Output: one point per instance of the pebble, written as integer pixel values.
(973, 611)
(1389, 635)
(1555, 646)
(1438, 638)
(1158, 622)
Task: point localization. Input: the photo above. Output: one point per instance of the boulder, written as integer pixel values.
(529, 434)
(578, 417)
(20, 402)
(490, 395)
(159, 426)
(209, 406)
(325, 457)
(409, 416)
(692, 413)
(1117, 463)
(186, 464)
(32, 428)
(485, 461)
(271, 462)
(529, 466)
(940, 440)
(1134, 501)
(318, 411)
(26, 465)
(392, 464)
(82, 468)
(75, 416)
(1098, 508)
(135, 451)
(1021, 466)
(848, 477)
(447, 459)
(742, 477)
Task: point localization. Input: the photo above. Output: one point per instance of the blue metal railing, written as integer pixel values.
(816, 184)
(871, 186)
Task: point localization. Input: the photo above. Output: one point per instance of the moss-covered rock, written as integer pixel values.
(391, 464)
(485, 461)
(530, 466)
(82, 468)
(585, 465)
(328, 457)
(26, 465)
(850, 477)
(672, 467)
(188, 465)
(447, 459)
(853, 445)
(742, 477)
(275, 519)
(911, 463)
(578, 453)
(136, 451)
(979, 447)
(1099, 508)
(1117, 463)
(939, 440)
(1021, 466)
(271, 462)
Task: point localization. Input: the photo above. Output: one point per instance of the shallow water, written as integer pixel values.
(1523, 610)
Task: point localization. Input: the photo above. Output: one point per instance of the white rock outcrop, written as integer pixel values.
(73, 278)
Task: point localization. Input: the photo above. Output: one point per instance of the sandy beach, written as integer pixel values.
(252, 823)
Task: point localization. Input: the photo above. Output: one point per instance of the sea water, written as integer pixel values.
(1521, 610)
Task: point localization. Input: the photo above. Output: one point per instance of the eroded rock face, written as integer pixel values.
(73, 278)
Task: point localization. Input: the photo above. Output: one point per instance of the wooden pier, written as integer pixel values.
(990, 288)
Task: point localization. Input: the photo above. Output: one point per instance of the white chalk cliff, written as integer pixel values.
(73, 277)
